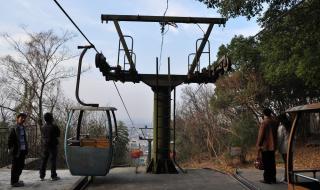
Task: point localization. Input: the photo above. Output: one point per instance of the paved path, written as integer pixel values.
(254, 176)
(126, 179)
(32, 181)
(202, 179)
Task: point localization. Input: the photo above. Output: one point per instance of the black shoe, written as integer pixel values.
(55, 178)
(266, 182)
(18, 184)
(41, 178)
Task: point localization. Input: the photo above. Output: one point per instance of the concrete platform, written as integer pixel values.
(254, 176)
(126, 178)
(32, 181)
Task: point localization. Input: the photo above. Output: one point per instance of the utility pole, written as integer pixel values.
(147, 138)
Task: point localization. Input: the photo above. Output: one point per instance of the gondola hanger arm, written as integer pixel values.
(85, 48)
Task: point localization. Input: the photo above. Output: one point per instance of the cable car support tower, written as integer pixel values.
(161, 84)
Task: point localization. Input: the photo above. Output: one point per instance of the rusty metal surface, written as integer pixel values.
(308, 107)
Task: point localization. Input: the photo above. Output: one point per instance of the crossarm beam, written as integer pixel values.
(142, 18)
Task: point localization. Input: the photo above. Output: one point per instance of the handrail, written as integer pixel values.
(313, 171)
(306, 177)
(115, 138)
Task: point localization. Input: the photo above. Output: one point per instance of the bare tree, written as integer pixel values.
(201, 125)
(6, 103)
(33, 76)
(212, 121)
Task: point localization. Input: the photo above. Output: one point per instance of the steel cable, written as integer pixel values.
(67, 15)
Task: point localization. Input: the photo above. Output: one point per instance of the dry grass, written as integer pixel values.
(205, 161)
(305, 158)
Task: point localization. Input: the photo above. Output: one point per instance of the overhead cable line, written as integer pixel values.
(75, 25)
(163, 33)
(201, 29)
(196, 92)
(97, 52)
(164, 14)
(198, 88)
(124, 105)
(271, 23)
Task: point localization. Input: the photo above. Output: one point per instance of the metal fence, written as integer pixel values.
(33, 138)
(4, 157)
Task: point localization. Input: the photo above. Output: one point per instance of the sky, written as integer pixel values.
(178, 43)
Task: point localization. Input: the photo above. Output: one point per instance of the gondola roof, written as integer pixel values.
(305, 108)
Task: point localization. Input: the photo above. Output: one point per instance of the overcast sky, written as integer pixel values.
(39, 15)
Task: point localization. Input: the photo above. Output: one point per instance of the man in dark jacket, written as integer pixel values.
(18, 148)
(49, 136)
(267, 142)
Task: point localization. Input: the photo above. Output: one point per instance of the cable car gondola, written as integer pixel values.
(89, 140)
(303, 155)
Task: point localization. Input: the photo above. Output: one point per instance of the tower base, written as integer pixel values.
(162, 166)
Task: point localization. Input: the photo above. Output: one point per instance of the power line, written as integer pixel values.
(201, 28)
(75, 25)
(97, 52)
(124, 105)
(166, 8)
(196, 92)
(198, 88)
(162, 34)
(161, 47)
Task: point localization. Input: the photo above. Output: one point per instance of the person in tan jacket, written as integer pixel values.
(267, 144)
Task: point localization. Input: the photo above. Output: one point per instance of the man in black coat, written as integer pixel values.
(49, 136)
(18, 148)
